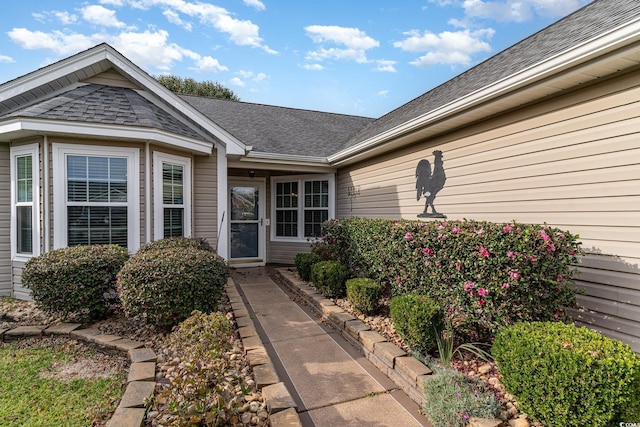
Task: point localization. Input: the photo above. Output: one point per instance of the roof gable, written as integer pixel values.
(25, 93)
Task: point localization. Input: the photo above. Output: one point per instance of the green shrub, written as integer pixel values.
(563, 375)
(75, 280)
(417, 318)
(364, 294)
(177, 242)
(329, 277)
(484, 275)
(197, 393)
(451, 399)
(163, 287)
(202, 335)
(304, 262)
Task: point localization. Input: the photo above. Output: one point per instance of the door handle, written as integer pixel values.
(261, 222)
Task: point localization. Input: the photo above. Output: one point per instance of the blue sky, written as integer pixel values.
(361, 57)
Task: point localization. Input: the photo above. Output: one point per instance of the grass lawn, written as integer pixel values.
(32, 395)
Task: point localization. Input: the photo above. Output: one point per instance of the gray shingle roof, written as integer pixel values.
(280, 130)
(106, 105)
(586, 23)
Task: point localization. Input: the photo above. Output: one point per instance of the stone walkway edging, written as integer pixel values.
(404, 370)
(280, 404)
(141, 380)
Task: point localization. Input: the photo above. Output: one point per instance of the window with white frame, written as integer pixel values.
(172, 192)
(25, 185)
(300, 205)
(96, 196)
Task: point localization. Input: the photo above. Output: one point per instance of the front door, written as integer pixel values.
(247, 228)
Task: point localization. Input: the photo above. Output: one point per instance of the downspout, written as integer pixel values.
(45, 194)
(223, 229)
(147, 190)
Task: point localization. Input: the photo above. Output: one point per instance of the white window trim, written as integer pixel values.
(301, 180)
(158, 206)
(33, 151)
(60, 152)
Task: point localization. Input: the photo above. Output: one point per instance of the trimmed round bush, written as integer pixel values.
(329, 277)
(304, 262)
(563, 375)
(364, 294)
(418, 320)
(177, 242)
(163, 287)
(75, 280)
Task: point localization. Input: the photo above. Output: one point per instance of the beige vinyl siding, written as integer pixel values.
(5, 221)
(284, 252)
(572, 161)
(112, 78)
(205, 198)
(19, 292)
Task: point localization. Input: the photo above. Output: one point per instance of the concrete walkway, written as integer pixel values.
(331, 383)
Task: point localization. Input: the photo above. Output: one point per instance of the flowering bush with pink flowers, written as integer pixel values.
(485, 275)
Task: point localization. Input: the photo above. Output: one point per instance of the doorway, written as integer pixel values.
(247, 222)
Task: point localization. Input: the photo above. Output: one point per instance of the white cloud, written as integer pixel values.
(256, 4)
(148, 49)
(453, 48)
(244, 74)
(385, 65)
(353, 43)
(207, 63)
(117, 3)
(64, 17)
(102, 16)
(236, 81)
(5, 58)
(55, 41)
(518, 10)
(383, 93)
(313, 67)
(174, 18)
(260, 77)
(240, 32)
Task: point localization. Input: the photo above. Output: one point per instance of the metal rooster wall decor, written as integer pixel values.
(429, 184)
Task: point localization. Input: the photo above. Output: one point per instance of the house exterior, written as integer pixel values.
(94, 150)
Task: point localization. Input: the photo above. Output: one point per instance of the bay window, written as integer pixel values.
(172, 192)
(96, 196)
(25, 236)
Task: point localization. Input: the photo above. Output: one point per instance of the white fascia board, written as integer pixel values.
(98, 130)
(51, 72)
(285, 159)
(614, 39)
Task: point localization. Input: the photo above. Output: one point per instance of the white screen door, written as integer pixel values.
(247, 230)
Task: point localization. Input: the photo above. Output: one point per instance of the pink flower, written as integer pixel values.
(408, 236)
(484, 252)
(458, 266)
(465, 416)
(428, 252)
(505, 285)
(480, 232)
(514, 274)
(456, 230)
(440, 227)
(507, 228)
(533, 258)
(468, 286)
(481, 302)
(560, 235)
(511, 255)
(458, 395)
(483, 292)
